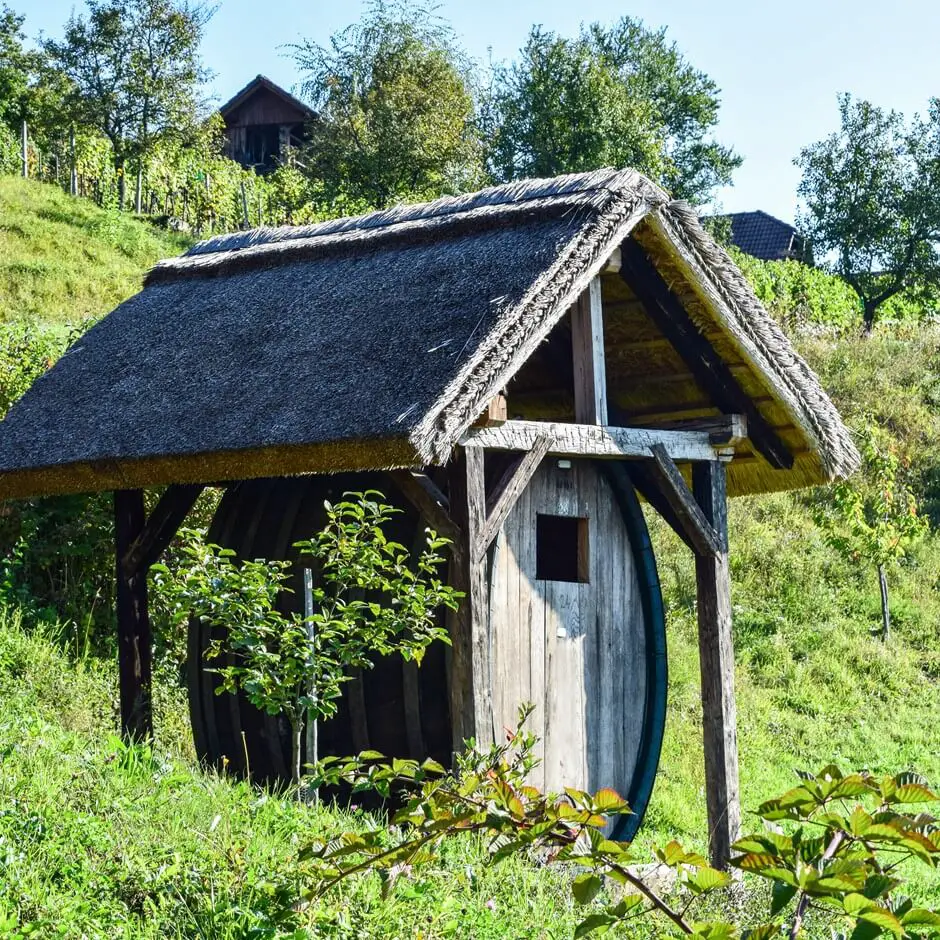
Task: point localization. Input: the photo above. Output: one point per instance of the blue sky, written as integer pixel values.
(779, 66)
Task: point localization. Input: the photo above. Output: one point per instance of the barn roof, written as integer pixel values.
(258, 83)
(765, 236)
(376, 341)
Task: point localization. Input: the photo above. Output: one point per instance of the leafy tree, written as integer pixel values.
(836, 863)
(874, 518)
(870, 191)
(620, 96)
(135, 71)
(369, 600)
(31, 89)
(396, 110)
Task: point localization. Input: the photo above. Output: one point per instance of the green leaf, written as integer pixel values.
(707, 879)
(608, 799)
(921, 916)
(596, 923)
(585, 887)
(884, 919)
(780, 896)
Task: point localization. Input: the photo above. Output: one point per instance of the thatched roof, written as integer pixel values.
(376, 341)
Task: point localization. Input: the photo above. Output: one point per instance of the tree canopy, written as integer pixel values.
(622, 96)
(396, 110)
(135, 71)
(871, 207)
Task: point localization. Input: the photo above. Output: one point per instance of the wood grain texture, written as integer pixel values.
(576, 650)
(711, 373)
(135, 640)
(699, 532)
(496, 516)
(716, 652)
(579, 440)
(587, 348)
(420, 490)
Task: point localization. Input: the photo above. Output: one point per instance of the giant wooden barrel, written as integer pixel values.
(576, 627)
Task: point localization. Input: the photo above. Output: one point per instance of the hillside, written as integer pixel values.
(63, 260)
(110, 842)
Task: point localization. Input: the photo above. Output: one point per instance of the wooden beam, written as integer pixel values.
(471, 705)
(716, 657)
(587, 349)
(495, 412)
(162, 524)
(648, 487)
(687, 512)
(135, 641)
(579, 440)
(707, 367)
(723, 431)
(421, 491)
(502, 505)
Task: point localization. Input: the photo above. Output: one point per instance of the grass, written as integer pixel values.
(63, 260)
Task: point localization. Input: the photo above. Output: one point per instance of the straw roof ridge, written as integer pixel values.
(406, 224)
(765, 342)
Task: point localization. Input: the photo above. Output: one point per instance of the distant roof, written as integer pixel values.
(375, 342)
(257, 83)
(765, 236)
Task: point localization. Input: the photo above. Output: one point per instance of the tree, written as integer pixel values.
(135, 71)
(620, 96)
(870, 192)
(396, 110)
(369, 600)
(30, 88)
(875, 518)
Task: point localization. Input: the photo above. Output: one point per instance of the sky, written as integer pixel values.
(780, 66)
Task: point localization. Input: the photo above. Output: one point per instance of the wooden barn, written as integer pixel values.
(518, 367)
(262, 122)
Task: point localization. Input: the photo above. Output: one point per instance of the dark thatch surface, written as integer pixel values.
(362, 342)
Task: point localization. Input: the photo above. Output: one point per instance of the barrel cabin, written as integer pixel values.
(521, 369)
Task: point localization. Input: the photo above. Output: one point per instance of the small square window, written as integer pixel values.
(561, 548)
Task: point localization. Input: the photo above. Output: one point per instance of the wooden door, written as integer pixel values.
(567, 629)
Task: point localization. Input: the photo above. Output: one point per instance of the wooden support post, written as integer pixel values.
(587, 347)
(24, 146)
(159, 529)
(471, 703)
(73, 171)
(716, 654)
(133, 622)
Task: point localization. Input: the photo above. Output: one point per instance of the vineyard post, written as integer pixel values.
(73, 179)
(25, 151)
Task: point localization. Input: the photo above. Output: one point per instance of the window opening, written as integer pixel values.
(561, 548)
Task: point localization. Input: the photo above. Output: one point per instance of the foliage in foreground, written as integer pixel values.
(847, 836)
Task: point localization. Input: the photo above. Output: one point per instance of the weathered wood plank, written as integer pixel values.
(420, 490)
(133, 622)
(496, 412)
(704, 538)
(161, 525)
(496, 516)
(707, 367)
(587, 348)
(579, 440)
(723, 431)
(470, 681)
(716, 655)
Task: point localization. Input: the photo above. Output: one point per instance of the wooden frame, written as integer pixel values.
(707, 368)
(580, 440)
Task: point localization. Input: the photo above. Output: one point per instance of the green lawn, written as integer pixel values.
(63, 260)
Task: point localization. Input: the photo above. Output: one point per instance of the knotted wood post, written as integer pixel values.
(133, 621)
(716, 657)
